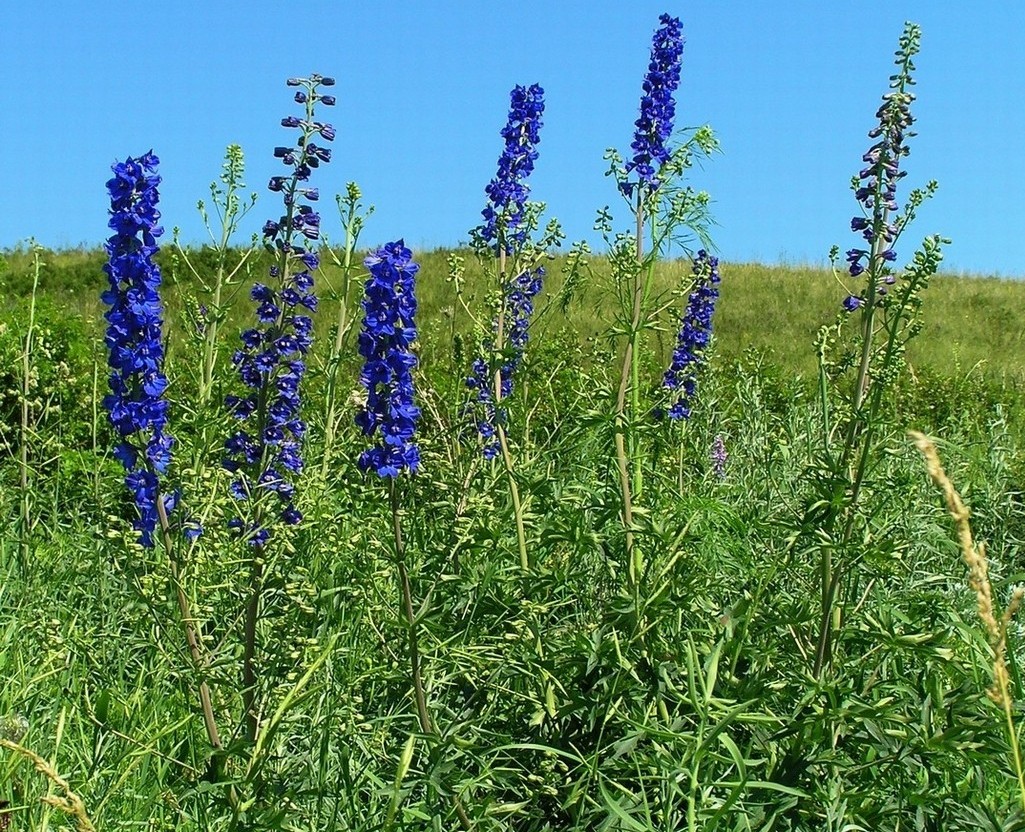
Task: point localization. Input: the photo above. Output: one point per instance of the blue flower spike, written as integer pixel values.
(265, 452)
(135, 404)
(694, 337)
(386, 344)
(658, 106)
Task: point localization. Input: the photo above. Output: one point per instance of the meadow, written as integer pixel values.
(463, 544)
(776, 310)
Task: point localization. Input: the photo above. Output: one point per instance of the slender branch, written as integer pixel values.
(189, 625)
(26, 369)
(252, 710)
(507, 460)
(624, 420)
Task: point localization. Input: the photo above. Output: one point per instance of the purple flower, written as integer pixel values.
(694, 336)
(269, 362)
(389, 330)
(658, 107)
(877, 182)
(133, 338)
(718, 456)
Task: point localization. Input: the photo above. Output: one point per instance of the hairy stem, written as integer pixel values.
(858, 441)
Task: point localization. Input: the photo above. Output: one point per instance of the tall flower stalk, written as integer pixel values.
(504, 237)
(264, 454)
(24, 427)
(136, 404)
(389, 330)
(639, 182)
(390, 417)
(885, 310)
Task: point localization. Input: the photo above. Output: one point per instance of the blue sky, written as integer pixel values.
(791, 89)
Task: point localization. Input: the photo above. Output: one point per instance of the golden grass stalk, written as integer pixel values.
(975, 559)
(70, 804)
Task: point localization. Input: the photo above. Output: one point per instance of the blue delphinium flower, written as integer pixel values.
(266, 457)
(519, 308)
(519, 294)
(508, 191)
(658, 107)
(389, 330)
(137, 382)
(505, 231)
(482, 407)
(694, 336)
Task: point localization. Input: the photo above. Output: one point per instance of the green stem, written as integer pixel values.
(23, 429)
(206, 381)
(334, 359)
(858, 441)
(412, 638)
(680, 455)
(625, 436)
(252, 618)
(507, 459)
(191, 639)
(640, 292)
(1012, 738)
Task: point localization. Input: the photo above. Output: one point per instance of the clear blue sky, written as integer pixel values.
(790, 87)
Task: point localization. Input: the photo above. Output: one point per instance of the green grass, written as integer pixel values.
(561, 701)
(973, 323)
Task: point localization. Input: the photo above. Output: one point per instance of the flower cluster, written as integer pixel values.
(507, 192)
(389, 330)
(270, 362)
(519, 304)
(876, 189)
(695, 334)
(719, 456)
(519, 299)
(658, 107)
(137, 382)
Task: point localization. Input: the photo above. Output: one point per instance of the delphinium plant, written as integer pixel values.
(679, 382)
(511, 256)
(665, 212)
(882, 307)
(136, 404)
(390, 417)
(264, 454)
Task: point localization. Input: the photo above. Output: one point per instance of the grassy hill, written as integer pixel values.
(972, 324)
